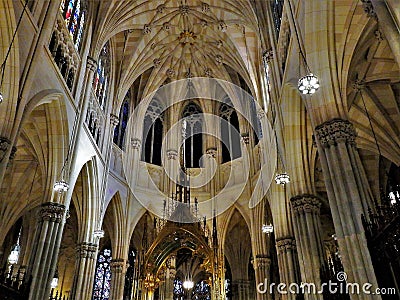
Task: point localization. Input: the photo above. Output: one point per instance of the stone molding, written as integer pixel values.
(305, 204)
(172, 154)
(286, 244)
(86, 250)
(114, 119)
(136, 143)
(334, 132)
(53, 212)
(212, 151)
(261, 262)
(91, 64)
(117, 265)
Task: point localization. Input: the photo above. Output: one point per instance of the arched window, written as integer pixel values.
(119, 131)
(179, 293)
(74, 16)
(101, 78)
(192, 129)
(102, 279)
(201, 291)
(230, 133)
(153, 134)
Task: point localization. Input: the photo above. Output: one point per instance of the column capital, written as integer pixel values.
(117, 265)
(212, 151)
(86, 250)
(335, 131)
(305, 204)
(261, 262)
(91, 64)
(52, 211)
(114, 119)
(136, 143)
(286, 244)
(172, 154)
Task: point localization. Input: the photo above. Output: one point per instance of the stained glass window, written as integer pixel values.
(102, 279)
(74, 16)
(119, 131)
(201, 291)
(230, 133)
(100, 81)
(179, 293)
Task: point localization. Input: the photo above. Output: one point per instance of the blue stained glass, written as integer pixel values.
(69, 11)
(102, 281)
(80, 31)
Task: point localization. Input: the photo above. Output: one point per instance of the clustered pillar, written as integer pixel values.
(118, 270)
(46, 245)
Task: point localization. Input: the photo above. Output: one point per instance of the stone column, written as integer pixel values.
(241, 289)
(46, 244)
(288, 263)
(262, 266)
(348, 198)
(85, 267)
(307, 224)
(118, 270)
(169, 283)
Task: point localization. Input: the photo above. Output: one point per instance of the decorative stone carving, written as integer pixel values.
(13, 152)
(286, 244)
(136, 143)
(219, 44)
(172, 154)
(184, 10)
(261, 262)
(222, 26)
(203, 23)
(91, 64)
(369, 8)
(305, 204)
(358, 85)
(86, 250)
(268, 55)
(246, 138)
(117, 266)
(53, 212)
(335, 131)
(161, 8)
(166, 26)
(218, 59)
(212, 152)
(114, 120)
(146, 29)
(4, 145)
(379, 35)
(208, 72)
(156, 62)
(205, 7)
(170, 73)
(260, 114)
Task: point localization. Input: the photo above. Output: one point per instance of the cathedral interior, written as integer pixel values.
(199, 149)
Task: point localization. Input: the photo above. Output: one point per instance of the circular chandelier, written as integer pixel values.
(61, 186)
(282, 178)
(308, 84)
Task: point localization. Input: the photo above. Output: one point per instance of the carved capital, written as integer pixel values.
(261, 262)
(334, 132)
(136, 143)
(369, 8)
(5, 144)
(286, 244)
(91, 64)
(246, 138)
(114, 120)
(358, 85)
(172, 154)
(305, 204)
(117, 266)
(53, 212)
(212, 151)
(86, 250)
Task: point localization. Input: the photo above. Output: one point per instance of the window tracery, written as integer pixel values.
(192, 129)
(153, 133)
(74, 16)
(102, 280)
(230, 133)
(201, 291)
(101, 78)
(119, 131)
